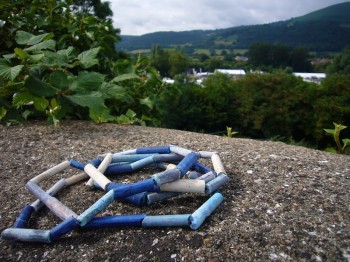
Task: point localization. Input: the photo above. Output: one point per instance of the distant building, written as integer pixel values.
(203, 74)
(200, 76)
(168, 80)
(321, 61)
(241, 58)
(235, 73)
(199, 81)
(311, 77)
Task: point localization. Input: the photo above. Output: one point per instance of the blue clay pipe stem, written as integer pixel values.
(205, 210)
(26, 235)
(117, 158)
(96, 208)
(153, 149)
(213, 185)
(116, 221)
(166, 221)
(174, 174)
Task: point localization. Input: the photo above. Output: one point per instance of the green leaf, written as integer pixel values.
(75, 63)
(52, 59)
(48, 44)
(53, 111)
(91, 100)
(8, 57)
(124, 77)
(131, 114)
(41, 103)
(36, 58)
(60, 80)
(66, 52)
(21, 99)
(129, 118)
(39, 38)
(3, 112)
(21, 54)
(124, 120)
(113, 91)
(346, 142)
(25, 114)
(37, 87)
(87, 81)
(330, 131)
(54, 104)
(88, 58)
(101, 114)
(25, 38)
(67, 56)
(7, 72)
(331, 150)
(339, 127)
(147, 102)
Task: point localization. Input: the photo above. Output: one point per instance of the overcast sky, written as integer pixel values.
(137, 17)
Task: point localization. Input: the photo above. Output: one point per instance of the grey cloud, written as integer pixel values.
(140, 17)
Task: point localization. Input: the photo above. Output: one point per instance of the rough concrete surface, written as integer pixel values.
(282, 203)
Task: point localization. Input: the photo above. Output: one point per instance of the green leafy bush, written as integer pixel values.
(332, 105)
(341, 146)
(276, 104)
(58, 60)
(261, 106)
(77, 24)
(37, 80)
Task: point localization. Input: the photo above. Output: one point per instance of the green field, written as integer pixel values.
(218, 51)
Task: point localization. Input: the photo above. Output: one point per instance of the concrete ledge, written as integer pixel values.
(282, 203)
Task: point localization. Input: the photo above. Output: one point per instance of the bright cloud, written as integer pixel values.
(135, 17)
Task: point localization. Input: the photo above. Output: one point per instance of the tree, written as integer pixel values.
(299, 60)
(341, 63)
(101, 10)
(260, 54)
(213, 63)
(170, 62)
(203, 57)
(279, 56)
(223, 53)
(159, 60)
(178, 62)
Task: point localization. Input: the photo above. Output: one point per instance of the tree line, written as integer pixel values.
(263, 106)
(265, 57)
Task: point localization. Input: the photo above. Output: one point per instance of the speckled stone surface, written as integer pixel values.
(282, 203)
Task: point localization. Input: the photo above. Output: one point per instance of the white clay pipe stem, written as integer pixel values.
(102, 168)
(76, 178)
(185, 186)
(97, 176)
(50, 172)
(217, 164)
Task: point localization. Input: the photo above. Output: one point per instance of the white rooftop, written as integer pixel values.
(168, 80)
(310, 75)
(231, 71)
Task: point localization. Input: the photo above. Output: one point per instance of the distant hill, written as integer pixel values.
(326, 30)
